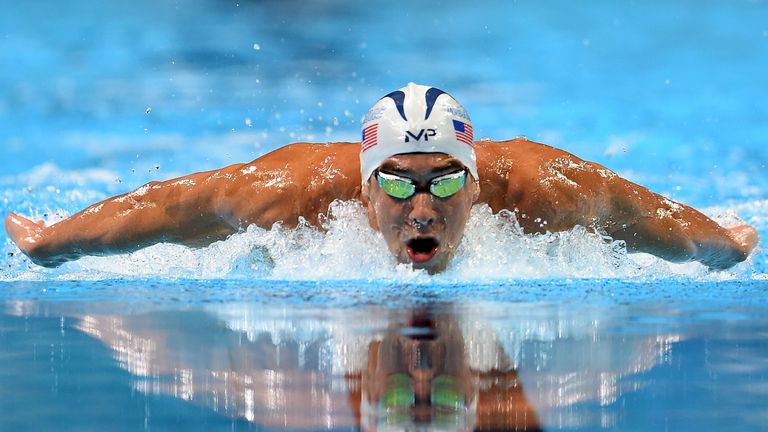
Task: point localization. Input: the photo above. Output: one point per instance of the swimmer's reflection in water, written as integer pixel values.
(413, 373)
(419, 375)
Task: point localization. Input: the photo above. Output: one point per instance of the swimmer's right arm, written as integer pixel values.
(200, 208)
(184, 210)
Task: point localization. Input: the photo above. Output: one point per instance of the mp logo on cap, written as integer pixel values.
(426, 133)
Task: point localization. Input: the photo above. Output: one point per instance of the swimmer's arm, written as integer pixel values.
(650, 223)
(184, 210)
(201, 208)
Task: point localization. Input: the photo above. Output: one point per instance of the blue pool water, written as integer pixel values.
(276, 329)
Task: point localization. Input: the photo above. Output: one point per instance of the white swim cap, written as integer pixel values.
(416, 119)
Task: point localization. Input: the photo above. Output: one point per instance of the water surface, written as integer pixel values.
(311, 330)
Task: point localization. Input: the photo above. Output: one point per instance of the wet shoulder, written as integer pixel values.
(552, 188)
(315, 171)
(499, 161)
(300, 179)
(518, 149)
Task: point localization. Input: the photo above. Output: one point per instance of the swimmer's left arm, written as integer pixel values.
(651, 223)
(555, 190)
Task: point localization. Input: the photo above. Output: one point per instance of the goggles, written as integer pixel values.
(403, 188)
(399, 394)
(399, 398)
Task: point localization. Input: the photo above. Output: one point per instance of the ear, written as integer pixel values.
(475, 191)
(371, 210)
(372, 220)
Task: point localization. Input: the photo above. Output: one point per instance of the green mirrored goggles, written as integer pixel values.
(399, 393)
(403, 188)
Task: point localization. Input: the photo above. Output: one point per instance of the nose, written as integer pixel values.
(423, 213)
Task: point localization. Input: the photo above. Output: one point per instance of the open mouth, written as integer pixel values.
(421, 326)
(421, 249)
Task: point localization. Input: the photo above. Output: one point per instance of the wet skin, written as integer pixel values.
(549, 189)
(423, 230)
(428, 348)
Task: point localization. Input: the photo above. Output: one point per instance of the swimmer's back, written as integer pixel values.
(302, 179)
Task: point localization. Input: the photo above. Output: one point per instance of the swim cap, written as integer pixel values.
(416, 119)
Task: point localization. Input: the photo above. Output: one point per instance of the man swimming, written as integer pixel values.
(418, 171)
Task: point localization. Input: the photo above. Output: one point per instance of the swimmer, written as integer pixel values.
(418, 171)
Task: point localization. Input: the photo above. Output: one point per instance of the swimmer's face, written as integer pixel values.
(424, 230)
(419, 370)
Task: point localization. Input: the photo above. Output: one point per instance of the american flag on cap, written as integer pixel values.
(369, 136)
(463, 132)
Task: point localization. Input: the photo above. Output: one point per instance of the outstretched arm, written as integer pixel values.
(182, 210)
(298, 180)
(554, 190)
(648, 222)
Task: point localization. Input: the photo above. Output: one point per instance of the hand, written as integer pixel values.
(746, 237)
(28, 235)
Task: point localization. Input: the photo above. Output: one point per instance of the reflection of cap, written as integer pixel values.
(416, 119)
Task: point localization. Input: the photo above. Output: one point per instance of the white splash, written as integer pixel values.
(494, 248)
(93, 209)
(141, 191)
(182, 182)
(325, 172)
(555, 171)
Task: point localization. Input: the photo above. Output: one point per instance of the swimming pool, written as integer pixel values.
(275, 328)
